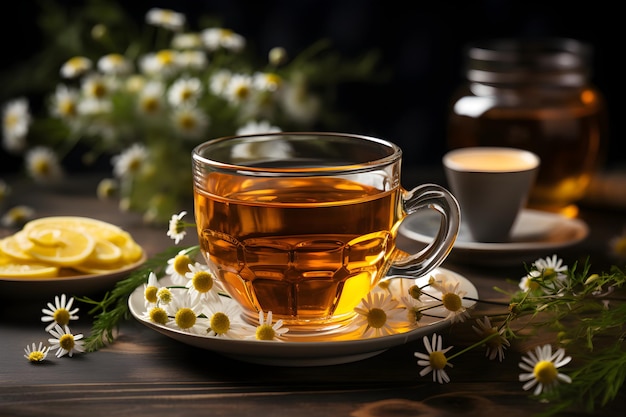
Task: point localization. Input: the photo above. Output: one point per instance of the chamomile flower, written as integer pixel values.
(95, 86)
(151, 101)
(75, 67)
(59, 313)
(156, 314)
(551, 268)
(64, 342)
(131, 161)
(225, 321)
(36, 354)
(267, 81)
(253, 127)
(190, 122)
(17, 216)
(260, 147)
(114, 64)
(378, 313)
(187, 41)
(193, 60)
(413, 310)
(219, 81)
(43, 165)
(186, 309)
(107, 188)
(541, 368)
(268, 331)
(160, 64)
(201, 283)
(184, 91)
(435, 360)
(178, 266)
(65, 102)
(546, 275)
(239, 88)
(176, 230)
(299, 103)
(151, 289)
(16, 121)
(495, 340)
(452, 299)
(166, 18)
(221, 38)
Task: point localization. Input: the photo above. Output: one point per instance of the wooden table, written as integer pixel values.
(147, 374)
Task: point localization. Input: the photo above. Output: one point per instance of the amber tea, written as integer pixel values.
(304, 224)
(294, 247)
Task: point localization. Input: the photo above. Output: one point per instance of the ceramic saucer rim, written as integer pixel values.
(578, 228)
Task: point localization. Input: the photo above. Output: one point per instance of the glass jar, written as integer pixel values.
(535, 95)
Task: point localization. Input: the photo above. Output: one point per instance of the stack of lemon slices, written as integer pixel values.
(67, 246)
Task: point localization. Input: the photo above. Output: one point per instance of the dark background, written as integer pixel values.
(421, 45)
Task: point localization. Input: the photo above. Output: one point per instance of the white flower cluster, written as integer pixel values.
(147, 108)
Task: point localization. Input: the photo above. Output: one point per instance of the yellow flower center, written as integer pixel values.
(36, 356)
(67, 342)
(384, 284)
(220, 323)
(181, 264)
(61, 316)
(158, 315)
(437, 360)
(67, 108)
(202, 281)
(265, 332)
(151, 294)
(97, 89)
(134, 165)
(242, 92)
(376, 318)
(187, 122)
(545, 372)
(41, 167)
(11, 120)
(165, 57)
(150, 104)
(452, 301)
(226, 33)
(415, 292)
(186, 94)
(414, 315)
(532, 284)
(185, 318)
(165, 295)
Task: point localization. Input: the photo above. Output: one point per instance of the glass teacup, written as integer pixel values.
(304, 224)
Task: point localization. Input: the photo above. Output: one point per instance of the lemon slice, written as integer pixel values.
(97, 228)
(60, 246)
(105, 252)
(72, 245)
(16, 245)
(30, 270)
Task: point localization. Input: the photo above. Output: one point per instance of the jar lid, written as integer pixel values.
(559, 61)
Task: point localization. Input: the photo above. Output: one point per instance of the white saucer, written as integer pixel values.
(313, 350)
(535, 234)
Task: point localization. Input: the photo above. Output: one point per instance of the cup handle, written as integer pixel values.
(435, 197)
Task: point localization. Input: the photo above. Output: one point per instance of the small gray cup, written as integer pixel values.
(492, 185)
